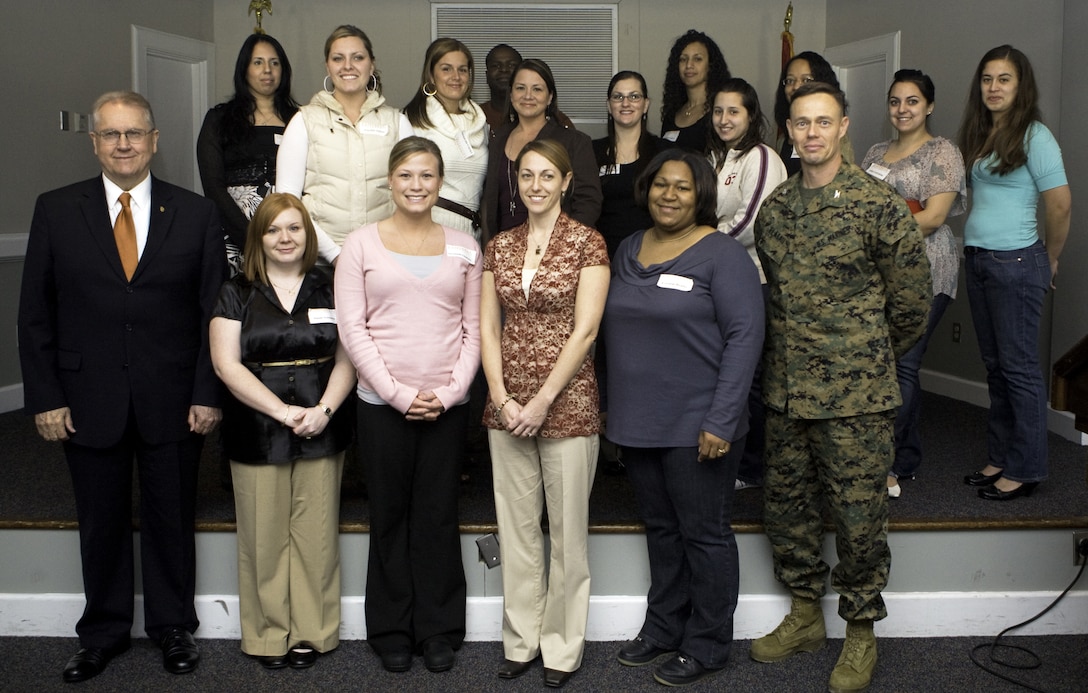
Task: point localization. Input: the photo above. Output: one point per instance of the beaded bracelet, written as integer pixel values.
(498, 409)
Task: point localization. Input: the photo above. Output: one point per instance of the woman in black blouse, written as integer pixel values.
(236, 149)
(695, 72)
(274, 344)
(622, 155)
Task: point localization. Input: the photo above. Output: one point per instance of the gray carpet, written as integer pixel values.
(37, 490)
(931, 665)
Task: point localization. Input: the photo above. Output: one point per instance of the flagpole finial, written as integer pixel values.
(789, 18)
(259, 7)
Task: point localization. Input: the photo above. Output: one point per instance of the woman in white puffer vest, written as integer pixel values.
(335, 152)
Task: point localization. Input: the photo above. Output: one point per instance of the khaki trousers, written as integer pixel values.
(288, 554)
(545, 606)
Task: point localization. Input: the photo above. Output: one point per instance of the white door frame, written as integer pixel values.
(864, 52)
(199, 55)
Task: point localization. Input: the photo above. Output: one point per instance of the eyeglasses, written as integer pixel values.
(114, 136)
(791, 81)
(633, 97)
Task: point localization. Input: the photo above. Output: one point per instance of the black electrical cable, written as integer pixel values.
(1034, 661)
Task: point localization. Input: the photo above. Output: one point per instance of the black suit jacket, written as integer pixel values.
(583, 199)
(95, 342)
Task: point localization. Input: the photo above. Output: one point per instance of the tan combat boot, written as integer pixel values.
(854, 669)
(801, 631)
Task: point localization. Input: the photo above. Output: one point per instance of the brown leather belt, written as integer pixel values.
(451, 206)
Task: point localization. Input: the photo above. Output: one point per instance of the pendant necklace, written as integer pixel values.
(513, 189)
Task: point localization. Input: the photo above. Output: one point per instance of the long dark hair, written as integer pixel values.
(238, 112)
(645, 139)
(1007, 142)
(541, 68)
(416, 110)
(821, 72)
(757, 122)
(674, 94)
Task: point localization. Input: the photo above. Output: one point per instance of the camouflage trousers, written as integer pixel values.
(841, 464)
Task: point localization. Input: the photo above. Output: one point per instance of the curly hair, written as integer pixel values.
(674, 94)
(1007, 142)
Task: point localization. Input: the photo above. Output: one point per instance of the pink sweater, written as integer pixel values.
(407, 335)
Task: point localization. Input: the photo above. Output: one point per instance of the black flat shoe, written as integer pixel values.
(89, 662)
(398, 661)
(509, 669)
(996, 494)
(640, 652)
(682, 670)
(272, 661)
(553, 678)
(302, 656)
(980, 479)
(179, 652)
(438, 656)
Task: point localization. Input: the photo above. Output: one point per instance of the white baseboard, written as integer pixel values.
(11, 398)
(911, 615)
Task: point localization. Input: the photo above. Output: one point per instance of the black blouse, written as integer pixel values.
(620, 216)
(270, 334)
(692, 138)
(237, 176)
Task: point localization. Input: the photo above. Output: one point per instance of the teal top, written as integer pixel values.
(1003, 208)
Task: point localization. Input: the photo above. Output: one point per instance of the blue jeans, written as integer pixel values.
(908, 438)
(1006, 289)
(686, 506)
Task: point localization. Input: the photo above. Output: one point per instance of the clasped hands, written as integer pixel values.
(524, 421)
(425, 407)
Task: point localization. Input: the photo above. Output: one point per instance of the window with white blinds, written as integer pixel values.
(577, 41)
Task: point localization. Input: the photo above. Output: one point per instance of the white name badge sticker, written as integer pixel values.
(877, 171)
(322, 316)
(675, 282)
(609, 170)
(463, 144)
(278, 137)
(671, 135)
(466, 254)
(380, 130)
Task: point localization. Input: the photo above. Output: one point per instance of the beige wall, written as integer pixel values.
(946, 40)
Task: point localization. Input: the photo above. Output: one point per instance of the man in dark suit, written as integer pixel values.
(121, 275)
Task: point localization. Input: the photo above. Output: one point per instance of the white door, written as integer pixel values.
(174, 74)
(865, 70)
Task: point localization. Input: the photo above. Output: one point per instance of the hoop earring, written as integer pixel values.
(325, 84)
(432, 92)
(374, 79)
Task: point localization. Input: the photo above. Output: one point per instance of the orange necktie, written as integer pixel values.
(124, 234)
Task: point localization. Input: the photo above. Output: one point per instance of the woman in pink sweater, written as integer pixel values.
(408, 303)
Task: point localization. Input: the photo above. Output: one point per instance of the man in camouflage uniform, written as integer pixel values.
(849, 293)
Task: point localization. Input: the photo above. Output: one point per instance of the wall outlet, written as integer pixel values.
(1079, 535)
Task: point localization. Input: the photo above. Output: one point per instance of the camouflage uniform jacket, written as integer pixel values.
(849, 293)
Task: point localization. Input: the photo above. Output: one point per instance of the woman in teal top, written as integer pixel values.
(1012, 159)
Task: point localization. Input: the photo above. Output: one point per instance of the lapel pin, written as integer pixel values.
(837, 194)
(163, 209)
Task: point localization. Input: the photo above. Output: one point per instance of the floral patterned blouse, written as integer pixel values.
(936, 167)
(536, 328)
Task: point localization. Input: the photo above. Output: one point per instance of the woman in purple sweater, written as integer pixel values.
(683, 327)
(408, 301)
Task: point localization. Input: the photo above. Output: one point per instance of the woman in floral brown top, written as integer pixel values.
(549, 277)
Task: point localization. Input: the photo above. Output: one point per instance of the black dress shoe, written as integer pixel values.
(273, 661)
(179, 652)
(438, 656)
(980, 479)
(553, 678)
(302, 656)
(89, 662)
(509, 669)
(994, 493)
(640, 652)
(682, 670)
(397, 661)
